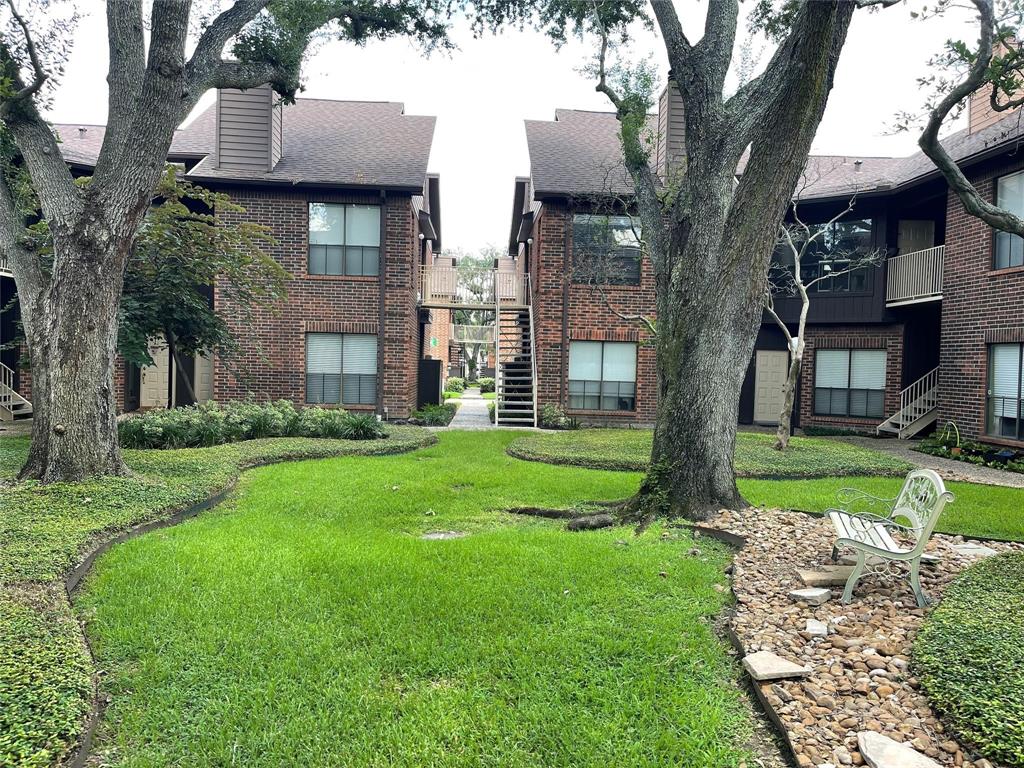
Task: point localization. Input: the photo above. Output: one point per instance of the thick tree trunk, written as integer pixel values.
(71, 330)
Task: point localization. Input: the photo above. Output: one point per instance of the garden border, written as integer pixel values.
(80, 753)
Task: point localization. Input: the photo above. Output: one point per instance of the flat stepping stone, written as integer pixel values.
(812, 595)
(764, 665)
(826, 575)
(442, 535)
(880, 751)
(971, 549)
(816, 628)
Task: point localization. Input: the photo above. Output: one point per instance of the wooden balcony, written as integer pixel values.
(445, 287)
(913, 278)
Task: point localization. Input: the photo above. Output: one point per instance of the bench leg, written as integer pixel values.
(851, 582)
(835, 554)
(915, 582)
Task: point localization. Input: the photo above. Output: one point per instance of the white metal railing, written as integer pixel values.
(533, 352)
(914, 277)
(917, 400)
(446, 286)
(913, 395)
(5, 268)
(472, 334)
(9, 397)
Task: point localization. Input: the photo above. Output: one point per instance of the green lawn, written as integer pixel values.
(306, 622)
(45, 673)
(969, 656)
(630, 449)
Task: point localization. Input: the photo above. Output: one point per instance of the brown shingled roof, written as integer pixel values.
(579, 154)
(345, 143)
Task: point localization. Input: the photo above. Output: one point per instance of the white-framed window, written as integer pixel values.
(606, 249)
(849, 382)
(344, 239)
(341, 368)
(1009, 248)
(1005, 391)
(602, 375)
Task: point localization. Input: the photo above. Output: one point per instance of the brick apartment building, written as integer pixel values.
(934, 333)
(343, 187)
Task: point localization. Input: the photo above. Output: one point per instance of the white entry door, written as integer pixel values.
(770, 369)
(156, 378)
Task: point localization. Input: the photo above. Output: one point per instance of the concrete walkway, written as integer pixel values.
(472, 413)
(950, 469)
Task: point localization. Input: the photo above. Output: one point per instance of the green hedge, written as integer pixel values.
(486, 384)
(201, 426)
(455, 384)
(969, 656)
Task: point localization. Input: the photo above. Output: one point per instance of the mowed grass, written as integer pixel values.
(630, 449)
(307, 623)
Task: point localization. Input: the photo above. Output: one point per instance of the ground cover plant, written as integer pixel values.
(45, 671)
(630, 449)
(214, 423)
(948, 445)
(308, 619)
(969, 656)
(435, 415)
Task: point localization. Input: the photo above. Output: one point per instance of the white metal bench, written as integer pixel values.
(911, 516)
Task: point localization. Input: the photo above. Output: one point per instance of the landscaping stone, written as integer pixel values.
(816, 628)
(812, 595)
(880, 751)
(441, 535)
(973, 549)
(859, 677)
(825, 576)
(769, 666)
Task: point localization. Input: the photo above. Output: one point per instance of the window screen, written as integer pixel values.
(341, 368)
(602, 375)
(849, 382)
(606, 249)
(344, 239)
(1009, 248)
(1005, 409)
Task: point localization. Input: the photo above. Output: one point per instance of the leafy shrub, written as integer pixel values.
(486, 384)
(553, 417)
(361, 426)
(455, 384)
(209, 424)
(491, 406)
(948, 445)
(969, 655)
(435, 415)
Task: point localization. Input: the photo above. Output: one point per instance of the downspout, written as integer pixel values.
(382, 269)
(566, 284)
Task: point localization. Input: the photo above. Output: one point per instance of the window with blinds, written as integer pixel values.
(344, 239)
(1005, 391)
(602, 375)
(341, 369)
(849, 382)
(1009, 248)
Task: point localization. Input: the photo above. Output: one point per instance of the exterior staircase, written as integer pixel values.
(516, 400)
(919, 408)
(12, 405)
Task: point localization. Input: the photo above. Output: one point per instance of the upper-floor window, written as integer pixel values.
(1009, 248)
(827, 260)
(1006, 391)
(606, 249)
(344, 239)
(602, 375)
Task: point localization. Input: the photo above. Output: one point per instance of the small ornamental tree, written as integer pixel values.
(789, 276)
(180, 252)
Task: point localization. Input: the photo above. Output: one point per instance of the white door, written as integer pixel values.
(770, 369)
(916, 235)
(204, 378)
(156, 378)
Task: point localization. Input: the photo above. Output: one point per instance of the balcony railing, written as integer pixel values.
(472, 334)
(442, 286)
(915, 277)
(5, 268)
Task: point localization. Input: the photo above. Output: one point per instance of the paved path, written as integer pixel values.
(948, 468)
(472, 413)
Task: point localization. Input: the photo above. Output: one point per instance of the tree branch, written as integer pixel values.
(205, 62)
(973, 202)
(127, 48)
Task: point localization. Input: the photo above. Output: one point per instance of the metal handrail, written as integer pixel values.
(9, 396)
(915, 276)
(533, 348)
(5, 267)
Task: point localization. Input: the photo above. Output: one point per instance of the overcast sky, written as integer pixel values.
(482, 93)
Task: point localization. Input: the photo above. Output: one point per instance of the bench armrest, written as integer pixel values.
(853, 497)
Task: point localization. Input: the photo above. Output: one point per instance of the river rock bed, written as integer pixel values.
(861, 677)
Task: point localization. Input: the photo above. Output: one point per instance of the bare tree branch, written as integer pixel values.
(972, 201)
(39, 75)
(127, 48)
(203, 67)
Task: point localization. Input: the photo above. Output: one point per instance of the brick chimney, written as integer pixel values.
(671, 150)
(249, 130)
